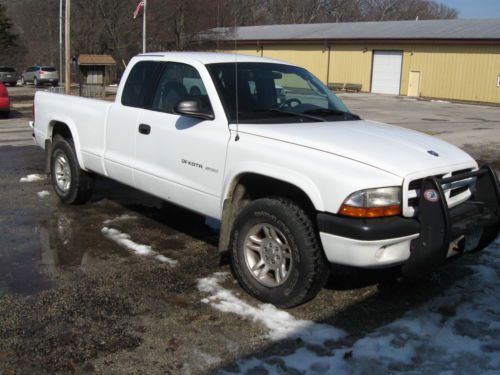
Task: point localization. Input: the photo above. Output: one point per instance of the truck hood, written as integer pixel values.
(393, 149)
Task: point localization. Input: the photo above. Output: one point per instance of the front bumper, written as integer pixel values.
(421, 243)
(9, 81)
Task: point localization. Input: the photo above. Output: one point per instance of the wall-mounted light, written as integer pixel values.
(365, 50)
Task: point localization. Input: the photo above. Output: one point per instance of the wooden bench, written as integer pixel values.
(352, 87)
(336, 86)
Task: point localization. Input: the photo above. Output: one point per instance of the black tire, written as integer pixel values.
(55, 84)
(81, 183)
(309, 270)
(23, 82)
(35, 82)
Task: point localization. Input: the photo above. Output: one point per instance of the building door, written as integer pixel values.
(386, 73)
(414, 84)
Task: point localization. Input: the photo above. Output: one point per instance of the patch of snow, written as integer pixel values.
(32, 178)
(424, 341)
(280, 323)
(164, 259)
(117, 219)
(208, 359)
(42, 194)
(124, 240)
(440, 101)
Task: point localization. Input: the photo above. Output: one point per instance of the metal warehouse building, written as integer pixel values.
(446, 59)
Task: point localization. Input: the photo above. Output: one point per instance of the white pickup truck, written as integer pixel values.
(296, 179)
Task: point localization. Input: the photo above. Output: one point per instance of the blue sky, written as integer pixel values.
(475, 8)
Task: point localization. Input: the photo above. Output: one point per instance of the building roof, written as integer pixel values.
(486, 29)
(96, 60)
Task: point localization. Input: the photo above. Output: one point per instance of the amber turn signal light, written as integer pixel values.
(370, 212)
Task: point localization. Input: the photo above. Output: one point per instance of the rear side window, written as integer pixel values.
(48, 69)
(140, 83)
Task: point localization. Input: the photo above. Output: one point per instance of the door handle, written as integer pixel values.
(144, 129)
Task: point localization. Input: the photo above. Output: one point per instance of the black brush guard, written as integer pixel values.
(440, 225)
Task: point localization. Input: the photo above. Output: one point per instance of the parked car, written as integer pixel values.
(39, 75)
(8, 75)
(4, 101)
(296, 184)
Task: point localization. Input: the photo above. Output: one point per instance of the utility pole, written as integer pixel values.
(67, 37)
(61, 38)
(144, 27)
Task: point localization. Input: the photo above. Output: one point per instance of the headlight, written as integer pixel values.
(377, 202)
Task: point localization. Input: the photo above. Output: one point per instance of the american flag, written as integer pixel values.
(138, 9)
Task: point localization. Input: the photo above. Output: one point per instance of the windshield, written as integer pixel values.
(48, 69)
(7, 70)
(269, 93)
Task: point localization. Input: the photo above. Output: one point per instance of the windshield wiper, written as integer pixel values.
(297, 114)
(327, 111)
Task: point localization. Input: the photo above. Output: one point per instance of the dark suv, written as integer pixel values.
(8, 75)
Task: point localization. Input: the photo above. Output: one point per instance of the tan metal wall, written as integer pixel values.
(457, 72)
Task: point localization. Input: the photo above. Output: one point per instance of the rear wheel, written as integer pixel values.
(35, 82)
(71, 184)
(276, 255)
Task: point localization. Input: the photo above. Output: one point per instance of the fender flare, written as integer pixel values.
(74, 133)
(286, 175)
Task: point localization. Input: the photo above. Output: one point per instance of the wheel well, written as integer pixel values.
(249, 187)
(60, 128)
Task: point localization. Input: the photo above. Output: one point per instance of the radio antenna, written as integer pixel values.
(237, 138)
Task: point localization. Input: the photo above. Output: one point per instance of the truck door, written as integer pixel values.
(181, 159)
(122, 122)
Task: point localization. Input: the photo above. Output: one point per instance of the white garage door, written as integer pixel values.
(386, 76)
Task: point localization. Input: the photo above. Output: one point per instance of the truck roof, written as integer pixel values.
(211, 57)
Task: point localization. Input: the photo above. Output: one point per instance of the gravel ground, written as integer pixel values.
(73, 300)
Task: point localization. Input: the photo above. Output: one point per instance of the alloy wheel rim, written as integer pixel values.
(62, 172)
(268, 255)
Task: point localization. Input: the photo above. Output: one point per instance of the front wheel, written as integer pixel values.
(276, 255)
(71, 184)
(35, 82)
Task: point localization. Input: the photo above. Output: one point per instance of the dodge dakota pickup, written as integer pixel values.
(296, 180)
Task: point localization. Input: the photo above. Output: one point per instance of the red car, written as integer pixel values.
(4, 101)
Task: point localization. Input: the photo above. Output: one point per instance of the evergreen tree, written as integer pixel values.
(7, 37)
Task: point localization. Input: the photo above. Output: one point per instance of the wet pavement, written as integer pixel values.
(73, 300)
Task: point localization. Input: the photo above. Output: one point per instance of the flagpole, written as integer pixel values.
(144, 28)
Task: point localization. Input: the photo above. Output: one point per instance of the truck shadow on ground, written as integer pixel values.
(174, 217)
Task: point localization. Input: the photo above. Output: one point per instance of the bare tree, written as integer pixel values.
(106, 26)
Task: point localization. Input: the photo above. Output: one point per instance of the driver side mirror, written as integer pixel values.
(192, 108)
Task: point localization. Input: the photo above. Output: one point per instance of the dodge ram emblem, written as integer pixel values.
(433, 153)
(431, 195)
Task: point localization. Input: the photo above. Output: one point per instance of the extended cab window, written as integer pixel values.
(140, 83)
(179, 82)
